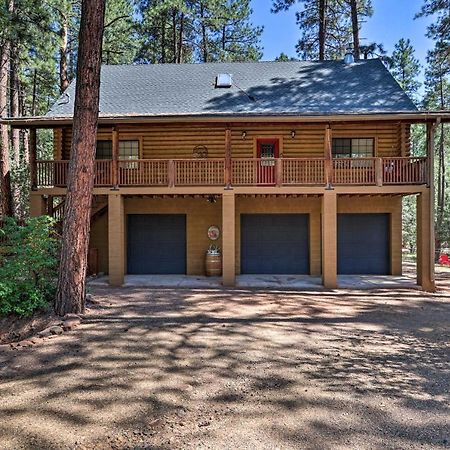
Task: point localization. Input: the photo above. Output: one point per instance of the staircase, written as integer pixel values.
(98, 208)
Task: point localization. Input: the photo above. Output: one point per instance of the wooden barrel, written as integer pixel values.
(213, 265)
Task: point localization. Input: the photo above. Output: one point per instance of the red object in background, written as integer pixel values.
(444, 259)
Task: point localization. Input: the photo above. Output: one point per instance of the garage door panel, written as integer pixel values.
(274, 244)
(156, 244)
(363, 244)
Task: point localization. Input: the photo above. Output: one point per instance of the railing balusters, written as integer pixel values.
(245, 172)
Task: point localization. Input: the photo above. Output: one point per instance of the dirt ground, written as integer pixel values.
(224, 369)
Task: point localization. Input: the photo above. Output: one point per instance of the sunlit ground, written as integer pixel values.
(238, 369)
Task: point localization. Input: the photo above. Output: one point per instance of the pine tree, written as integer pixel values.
(327, 27)
(439, 30)
(437, 97)
(179, 31)
(405, 67)
(70, 296)
(119, 38)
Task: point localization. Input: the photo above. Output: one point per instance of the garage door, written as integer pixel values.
(156, 244)
(275, 243)
(363, 244)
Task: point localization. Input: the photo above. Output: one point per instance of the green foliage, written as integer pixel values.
(439, 30)
(283, 57)
(120, 43)
(177, 31)
(405, 67)
(338, 25)
(28, 266)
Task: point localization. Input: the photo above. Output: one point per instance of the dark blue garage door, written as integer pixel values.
(363, 244)
(156, 244)
(275, 243)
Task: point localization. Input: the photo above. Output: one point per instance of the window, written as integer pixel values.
(127, 150)
(104, 150)
(353, 148)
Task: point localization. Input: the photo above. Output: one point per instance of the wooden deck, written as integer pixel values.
(244, 172)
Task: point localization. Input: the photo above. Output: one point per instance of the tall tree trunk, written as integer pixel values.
(14, 90)
(180, 40)
(163, 38)
(355, 28)
(174, 36)
(322, 29)
(63, 50)
(6, 203)
(70, 296)
(204, 34)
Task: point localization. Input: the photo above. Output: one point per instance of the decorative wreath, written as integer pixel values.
(200, 151)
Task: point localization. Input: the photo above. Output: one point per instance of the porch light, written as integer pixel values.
(293, 134)
(244, 134)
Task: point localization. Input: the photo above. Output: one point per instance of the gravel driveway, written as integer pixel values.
(219, 369)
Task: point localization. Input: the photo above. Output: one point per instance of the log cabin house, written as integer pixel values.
(301, 166)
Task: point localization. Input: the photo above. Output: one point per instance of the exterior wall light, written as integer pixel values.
(244, 134)
(293, 133)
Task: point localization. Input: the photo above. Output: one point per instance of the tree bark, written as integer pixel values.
(355, 28)
(71, 291)
(14, 99)
(174, 36)
(322, 29)
(6, 203)
(204, 34)
(180, 40)
(63, 44)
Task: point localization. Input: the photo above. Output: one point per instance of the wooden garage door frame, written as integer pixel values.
(363, 244)
(256, 220)
(165, 245)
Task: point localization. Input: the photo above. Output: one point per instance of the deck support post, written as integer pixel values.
(116, 239)
(425, 243)
(32, 150)
(228, 238)
(379, 171)
(228, 158)
(329, 239)
(38, 206)
(328, 157)
(115, 158)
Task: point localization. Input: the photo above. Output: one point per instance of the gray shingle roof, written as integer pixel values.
(272, 88)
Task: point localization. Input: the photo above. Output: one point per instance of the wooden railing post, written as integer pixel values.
(328, 166)
(379, 171)
(171, 173)
(50, 209)
(227, 172)
(115, 158)
(33, 156)
(279, 172)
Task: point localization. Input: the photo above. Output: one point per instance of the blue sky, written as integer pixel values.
(392, 20)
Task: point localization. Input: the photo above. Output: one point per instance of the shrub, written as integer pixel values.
(28, 266)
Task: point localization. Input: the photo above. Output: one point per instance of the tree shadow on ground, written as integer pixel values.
(170, 368)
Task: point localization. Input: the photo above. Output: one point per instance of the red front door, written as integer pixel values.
(267, 151)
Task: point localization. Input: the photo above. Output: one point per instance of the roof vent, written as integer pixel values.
(349, 58)
(224, 80)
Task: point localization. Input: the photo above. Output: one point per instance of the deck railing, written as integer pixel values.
(244, 172)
